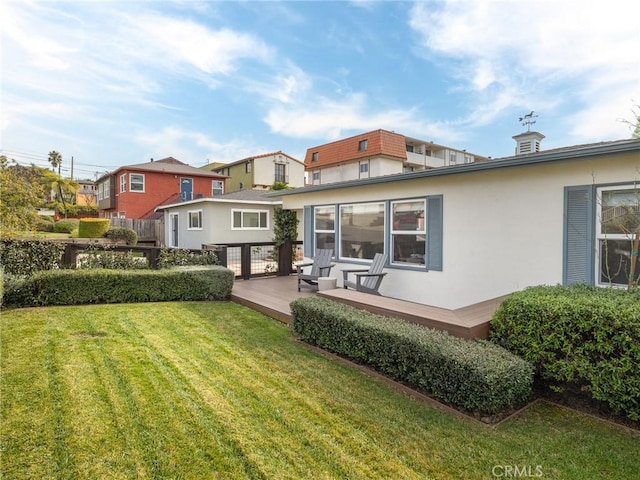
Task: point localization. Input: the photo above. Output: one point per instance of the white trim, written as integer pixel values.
(242, 212)
(123, 183)
(189, 212)
(217, 200)
(131, 190)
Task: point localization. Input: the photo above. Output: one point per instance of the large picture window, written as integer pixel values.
(250, 219)
(408, 232)
(362, 230)
(136, 182)
(325, 227)
(195, 220)
(618, 235)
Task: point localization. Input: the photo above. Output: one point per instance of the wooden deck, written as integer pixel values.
(272, 295)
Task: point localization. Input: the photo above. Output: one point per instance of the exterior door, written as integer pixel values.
(186, 189)
(173, 226)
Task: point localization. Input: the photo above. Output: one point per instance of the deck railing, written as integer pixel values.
(247, 260)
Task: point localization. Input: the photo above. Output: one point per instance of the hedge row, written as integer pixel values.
(580, 336)
(24, 257)
(76, 287)
(473, 376)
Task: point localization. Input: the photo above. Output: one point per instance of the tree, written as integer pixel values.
(63, 186)
(634, 125)
(55, 159)
(20, 195)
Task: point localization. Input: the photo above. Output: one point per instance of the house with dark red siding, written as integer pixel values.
(134, 191)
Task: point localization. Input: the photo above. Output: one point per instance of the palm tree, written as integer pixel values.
(55, 182)
(55, 159)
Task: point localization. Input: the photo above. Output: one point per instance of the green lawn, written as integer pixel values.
(214, 390)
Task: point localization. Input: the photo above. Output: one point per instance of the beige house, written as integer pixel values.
(462, 234)
(260, 172)
(379, 153)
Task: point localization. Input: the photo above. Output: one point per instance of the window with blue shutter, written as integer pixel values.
(579, 248)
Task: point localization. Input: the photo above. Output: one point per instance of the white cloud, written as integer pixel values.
(193, 148)
(516, 54)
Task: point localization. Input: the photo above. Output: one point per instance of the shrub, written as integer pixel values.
(102, 257)
(65, 226)
(174, 257)
(23, 257)
(44, 224)
(577, 336)
(122, 234)
(93, 227)
(475, 376)
(76, 287)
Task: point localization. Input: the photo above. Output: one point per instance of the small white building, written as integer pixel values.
(238, 217)
(461, 234)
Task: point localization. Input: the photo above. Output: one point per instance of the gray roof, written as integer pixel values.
(575, 153)
(248, 195)
(168, 165)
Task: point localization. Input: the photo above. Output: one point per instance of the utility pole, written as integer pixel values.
(71, 167)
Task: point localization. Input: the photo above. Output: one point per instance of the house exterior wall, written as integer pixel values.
(264, 171)
(159, 188)
(216, 224)
(343, 172)
(238, 176)
(502, 228)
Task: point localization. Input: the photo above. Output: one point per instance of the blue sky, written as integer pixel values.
(117, 83)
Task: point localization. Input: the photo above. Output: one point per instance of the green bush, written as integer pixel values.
(577, 336)
(474, 376)
(95, 256)
(122, 234)
(65, 226)
(175, 257)
(93, 227)
(23, 257)
(77, 287)
(44, 224)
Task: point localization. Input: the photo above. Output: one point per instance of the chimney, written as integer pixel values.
(152, 159)
(528, 142)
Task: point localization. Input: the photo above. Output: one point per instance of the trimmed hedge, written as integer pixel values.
(578, 336)
(122, 234)
(77, 287)
(23, 257)
(66, 226)
(474, 376)
(93, 227)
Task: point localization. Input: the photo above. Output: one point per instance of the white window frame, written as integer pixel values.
(364, 169)
(123, 183)
(316, 231)
(421, 230)
(197, 216)
(214, 189)
(242, 219)
(315, 176)
(341, 230)
(132, 182)
(600, 236)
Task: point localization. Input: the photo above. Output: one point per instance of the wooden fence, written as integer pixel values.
(148, 230)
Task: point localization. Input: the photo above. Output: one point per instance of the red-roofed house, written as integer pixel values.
(134, 191)
(378, 153)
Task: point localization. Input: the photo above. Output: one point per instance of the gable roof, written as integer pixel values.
(573, 153)
(166, 165)
(248, 196)
(217, 165)
(379, 142)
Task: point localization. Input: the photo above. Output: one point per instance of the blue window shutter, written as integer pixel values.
(434, 232)
(579, 235)
(308, 231)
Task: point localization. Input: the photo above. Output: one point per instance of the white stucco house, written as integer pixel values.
(462, 234)
(237, 217)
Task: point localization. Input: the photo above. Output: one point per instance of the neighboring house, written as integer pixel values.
(460, 235)
(134, 191)
(237, 217)
(261, 172)
(87, 193)
(378, 153)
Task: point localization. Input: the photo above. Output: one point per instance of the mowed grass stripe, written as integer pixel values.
(213, 390)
